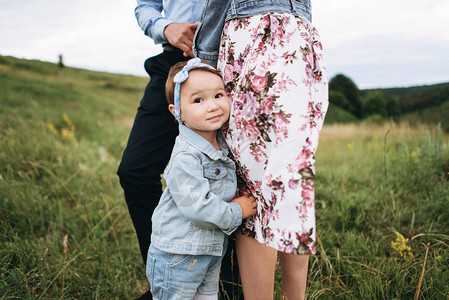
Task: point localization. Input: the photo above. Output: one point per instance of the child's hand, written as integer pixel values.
(247, 204)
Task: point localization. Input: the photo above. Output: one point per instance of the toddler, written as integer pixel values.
(197, 208)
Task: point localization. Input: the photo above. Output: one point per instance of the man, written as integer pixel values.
(173, 24)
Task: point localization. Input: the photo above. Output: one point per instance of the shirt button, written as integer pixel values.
(217, 171)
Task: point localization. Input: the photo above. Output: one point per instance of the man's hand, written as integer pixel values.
(247, 204)
(181, 36)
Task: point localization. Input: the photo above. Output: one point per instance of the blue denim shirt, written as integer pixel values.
(217, 12)
(153, 22)
(195, 212)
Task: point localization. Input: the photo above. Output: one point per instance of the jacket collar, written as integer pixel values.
(197, 141)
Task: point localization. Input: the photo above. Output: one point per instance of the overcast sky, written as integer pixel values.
(383, 43)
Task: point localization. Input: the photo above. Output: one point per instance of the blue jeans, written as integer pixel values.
(181, 276)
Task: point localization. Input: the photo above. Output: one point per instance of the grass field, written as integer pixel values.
(382, 196)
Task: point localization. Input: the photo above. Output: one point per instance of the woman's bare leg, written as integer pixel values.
(294, 275)
(257, 264)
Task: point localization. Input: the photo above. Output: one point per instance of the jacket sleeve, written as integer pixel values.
(191, 193)
(149, 17)
(206, 42)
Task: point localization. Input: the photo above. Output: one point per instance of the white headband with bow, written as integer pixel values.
(182, 76)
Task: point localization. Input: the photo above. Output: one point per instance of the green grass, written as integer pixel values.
(65, 232)
(53, 188)
(338, 115)
(374, 181)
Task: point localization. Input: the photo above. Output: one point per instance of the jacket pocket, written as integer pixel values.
(215, 173)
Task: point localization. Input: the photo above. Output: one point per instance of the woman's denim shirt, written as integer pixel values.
(216, 13)
(195, 212)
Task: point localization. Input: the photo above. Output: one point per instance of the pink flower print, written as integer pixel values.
(274, 199)
(317, 75)
(308, 194)
(246, 51)
(238, 102)
(310, 57)
(309, 72)
(261, 48)
(289, 57)
(267, 106)
(245, 22)
(275, 25)
(257, 185)
(276, 29)
(267, 216)
(265, 22)
(261, 121)
(318, 113)
(257, 152)
(229, 73)
(277, 185)
(237, 65)
(289, 247)
(250, 128)
(238, 120)
(301, 160)
(259, 83)
(280, 121)
(250, 105)
(226, 26)
(235, 24)
(304, 238)
(293, 183)
(310, 108)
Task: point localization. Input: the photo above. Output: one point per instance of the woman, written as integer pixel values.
(272, 61)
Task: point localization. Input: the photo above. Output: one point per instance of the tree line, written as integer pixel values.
(384, 103)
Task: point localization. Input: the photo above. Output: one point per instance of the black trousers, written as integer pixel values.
(147, 153)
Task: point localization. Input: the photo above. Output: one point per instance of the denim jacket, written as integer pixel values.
(195, 212)
(216, 13)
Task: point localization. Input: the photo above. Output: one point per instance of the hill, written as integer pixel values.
(65, 233)
(64, 227)
(417, 97)
(428, 103)
(421, 104)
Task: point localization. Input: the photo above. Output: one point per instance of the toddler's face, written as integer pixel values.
(204, 105)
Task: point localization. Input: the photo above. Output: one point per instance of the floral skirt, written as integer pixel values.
(275, 78)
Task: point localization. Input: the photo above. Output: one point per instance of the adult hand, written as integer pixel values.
(181, 36)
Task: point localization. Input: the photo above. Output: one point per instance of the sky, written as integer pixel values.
(378, 44)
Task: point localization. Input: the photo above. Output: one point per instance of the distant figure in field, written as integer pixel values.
(60, 62)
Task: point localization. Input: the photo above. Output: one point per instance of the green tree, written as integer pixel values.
(375, 103)
(345, 85)
(393, 107)
(338, 99)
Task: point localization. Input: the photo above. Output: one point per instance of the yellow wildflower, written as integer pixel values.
(350, 148)
(65, 128)
(67, 135)
(401, 246)
(68, 122)
(52, 128)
